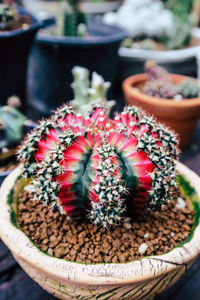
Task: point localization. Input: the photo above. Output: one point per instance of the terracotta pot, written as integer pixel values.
(182, 116)
(140, 279)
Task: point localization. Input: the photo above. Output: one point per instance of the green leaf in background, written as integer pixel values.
(13, 122)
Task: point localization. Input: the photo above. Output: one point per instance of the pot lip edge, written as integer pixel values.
(58, 267)
(37, 24)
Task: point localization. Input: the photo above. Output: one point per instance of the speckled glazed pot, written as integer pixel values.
(141, 279)
(182, 116)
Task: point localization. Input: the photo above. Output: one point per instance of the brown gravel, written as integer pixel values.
(78, 241)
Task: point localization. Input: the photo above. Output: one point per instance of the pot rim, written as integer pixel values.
(166, 56)
(113, 34)
(95, 274)
(128, 88)
(34, 26)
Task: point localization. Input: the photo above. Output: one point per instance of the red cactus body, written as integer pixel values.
(101, 166)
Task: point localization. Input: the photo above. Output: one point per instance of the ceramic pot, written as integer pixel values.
(182, 61)
(14, 50)
(181, 116)
(53, 57)
(140, 279)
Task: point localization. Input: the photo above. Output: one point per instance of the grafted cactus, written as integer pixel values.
(11, 124)
(71, 21)
(103, 169)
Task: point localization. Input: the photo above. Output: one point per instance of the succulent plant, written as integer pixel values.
(11, 124)
(85, 96)
(189, 88)
(160, 89)
(155, 71)
(102, 169)
(7, 14)
(71, 21)
(158, 83)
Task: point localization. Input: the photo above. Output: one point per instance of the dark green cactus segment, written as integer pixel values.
(127, 173)
(29, 147)
(109, 208)
(163, 186)
(83, 178)
(163, 178)
(148, 121)
(134, 111)
(107, 215)
(168, 138)
(62, 112)
(66, 138)
(189, 88)
(46, 191)
(45, 188)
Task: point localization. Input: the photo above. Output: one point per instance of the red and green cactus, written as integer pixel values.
(88, 165)
(100, 168)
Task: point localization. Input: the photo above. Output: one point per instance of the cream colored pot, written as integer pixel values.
(140, 279)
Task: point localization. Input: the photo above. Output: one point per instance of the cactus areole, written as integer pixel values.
(100, 168)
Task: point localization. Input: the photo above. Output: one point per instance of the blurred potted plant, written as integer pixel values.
(61, 47)
(13, 126)
(173, 99)
(159, 30)
(17, 31)
(99, 6)
(85, 168)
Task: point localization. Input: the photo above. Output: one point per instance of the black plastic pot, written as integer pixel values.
(14, 50)
(53, 57)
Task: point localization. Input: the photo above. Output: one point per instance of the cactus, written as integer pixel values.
(158, 88)
(158, 83)
(85, 96)
(12, 123)
(155, 71)
(7, 14)
(71, 21)
(189, 88)
(98, 168)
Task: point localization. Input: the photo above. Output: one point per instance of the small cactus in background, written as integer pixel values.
(71, 21)
(159, 84)
(155, 71)
(189, 88)
(85, 96)
(158, 88)
(7, 14)
(12, 123)
(95, 167)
